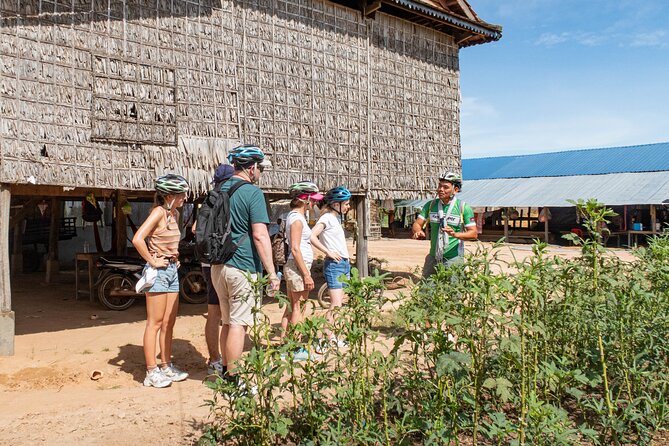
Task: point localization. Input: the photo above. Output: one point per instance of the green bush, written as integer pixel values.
(542, 351)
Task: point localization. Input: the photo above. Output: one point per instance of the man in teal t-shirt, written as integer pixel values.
(233, 281)
(451, 223)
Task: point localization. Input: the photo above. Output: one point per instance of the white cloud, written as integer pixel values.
(653, 39)
(472, 106)
(550, 39)
(581, 38)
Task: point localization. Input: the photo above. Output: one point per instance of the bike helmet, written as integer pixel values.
(302, 187)
(244, 156)
(171, 184)
(453, 178)
(336, 194)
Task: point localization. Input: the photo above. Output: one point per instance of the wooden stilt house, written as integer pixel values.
(104, 95)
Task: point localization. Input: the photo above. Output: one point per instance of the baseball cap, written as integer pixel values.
(315, 196)
(223, 172)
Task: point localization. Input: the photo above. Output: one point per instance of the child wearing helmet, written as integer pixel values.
(328, 237)
(157, 241)
(297, 269)
(451, 222)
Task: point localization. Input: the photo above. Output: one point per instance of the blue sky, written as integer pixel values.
(567, 74)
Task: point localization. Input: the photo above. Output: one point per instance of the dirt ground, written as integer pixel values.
(47, 394)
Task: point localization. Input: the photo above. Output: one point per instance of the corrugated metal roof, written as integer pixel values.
(643, 158)
(612, 189)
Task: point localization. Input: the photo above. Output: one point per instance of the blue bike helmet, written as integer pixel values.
(245, 155)
(336, 194)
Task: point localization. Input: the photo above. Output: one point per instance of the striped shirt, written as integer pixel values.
(164, 240)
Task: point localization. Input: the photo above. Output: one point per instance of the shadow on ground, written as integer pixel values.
(40, 307)
(130, 360)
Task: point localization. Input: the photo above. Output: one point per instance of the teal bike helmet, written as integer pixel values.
(244, 156)
(336, 194)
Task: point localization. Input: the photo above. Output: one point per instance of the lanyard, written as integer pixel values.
(448, 212)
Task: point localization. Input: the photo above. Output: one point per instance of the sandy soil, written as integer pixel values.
(49, 398)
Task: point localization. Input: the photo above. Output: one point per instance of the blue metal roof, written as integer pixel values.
(644, 158)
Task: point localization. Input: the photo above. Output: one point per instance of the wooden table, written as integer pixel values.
(634, 234)
(90, 258)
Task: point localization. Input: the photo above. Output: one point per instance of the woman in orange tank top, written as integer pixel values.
(157, 241)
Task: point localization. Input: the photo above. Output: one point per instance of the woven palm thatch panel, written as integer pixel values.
(111, 93)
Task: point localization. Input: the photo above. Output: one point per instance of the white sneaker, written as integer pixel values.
(302, 355)
(242, 388)
(156, 378)
(339, 343)
(173, 373)
(215, 367)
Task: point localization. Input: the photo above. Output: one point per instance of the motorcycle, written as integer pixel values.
(119, 275)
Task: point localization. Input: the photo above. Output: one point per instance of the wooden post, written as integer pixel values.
(361, 254)
(7, 324)
(653, 216)
(54, 230)
(506, 225)
(121, 226)
(546, 224)
(17, 251)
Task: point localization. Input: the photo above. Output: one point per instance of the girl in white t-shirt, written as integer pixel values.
(297, 269)
(328, 236)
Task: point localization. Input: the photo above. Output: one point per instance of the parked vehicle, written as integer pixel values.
(117, 280)
(192, 286)
(119, 275)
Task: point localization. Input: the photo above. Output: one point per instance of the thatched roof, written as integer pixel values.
(110, 98)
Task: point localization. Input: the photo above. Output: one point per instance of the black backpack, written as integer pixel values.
(213, 238)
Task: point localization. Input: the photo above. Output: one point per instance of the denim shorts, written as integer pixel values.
(167, 280)
(333, 270)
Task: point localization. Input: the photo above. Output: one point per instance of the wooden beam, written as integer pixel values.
(506, 225)
(120, 222)
(653, 217)
(52, 266)
(31, 190)
(371, 8)
(20, 215)
(546, 224)
(17, 252)
(466, 10)
(361, 251)
(7, 322)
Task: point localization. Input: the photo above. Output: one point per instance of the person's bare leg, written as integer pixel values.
(155, 311)
(167, 327)
(211, 331)
(336, 301)
(287, 315)
(225, 329)
(299, 297)
(234, 345)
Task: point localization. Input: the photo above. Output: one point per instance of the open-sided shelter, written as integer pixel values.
(634, 180)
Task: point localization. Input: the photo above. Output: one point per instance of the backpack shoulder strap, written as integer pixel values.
(236, 186)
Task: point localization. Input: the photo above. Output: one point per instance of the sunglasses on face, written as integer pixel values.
(260, 168)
